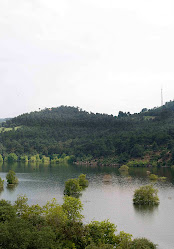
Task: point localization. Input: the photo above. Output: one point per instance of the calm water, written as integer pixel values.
(102, 200)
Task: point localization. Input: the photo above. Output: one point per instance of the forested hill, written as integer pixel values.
(73, 131)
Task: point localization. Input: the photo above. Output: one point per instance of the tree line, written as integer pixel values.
(88, 136)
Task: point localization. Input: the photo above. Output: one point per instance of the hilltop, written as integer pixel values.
(148, 135)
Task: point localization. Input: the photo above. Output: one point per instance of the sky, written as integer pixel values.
(100, 55)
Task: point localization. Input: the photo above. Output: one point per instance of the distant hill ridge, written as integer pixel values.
(72, 131)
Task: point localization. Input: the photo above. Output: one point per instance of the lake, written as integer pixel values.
(109, 196)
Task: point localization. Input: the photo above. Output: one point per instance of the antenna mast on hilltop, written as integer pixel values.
(161, 97)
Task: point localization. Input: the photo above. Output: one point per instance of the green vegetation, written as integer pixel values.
(1, 184)
(146, 195)
(153, 177)
(83, 182)
(69, 133)
(12, 157)
(124, 168)
(74, 187)
(55, 226)
(11, 177)
(142, 243)
(4, 129)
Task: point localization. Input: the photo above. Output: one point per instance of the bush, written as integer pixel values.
(11, 177)
(142, 243)
(146, 195)
(72, 188)
(45, 159)
(102, 232)
(7, 211)
(153, 177)
(1, 184)
(124, 168)
(12, 157)
(24, 158)
(83, 182)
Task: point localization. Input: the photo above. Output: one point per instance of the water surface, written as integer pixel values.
(109, 196)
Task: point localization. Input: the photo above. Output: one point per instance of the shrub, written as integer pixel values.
(162, 178)
(11, 177)
(83, 182)
(153, 177)
(12, 157)
(124, 168)
(1, 184)
(45, 159)
(24, 158)
(72, 188)
(146, 195)
(142, 243)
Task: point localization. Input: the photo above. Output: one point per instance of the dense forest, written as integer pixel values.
(108, 139)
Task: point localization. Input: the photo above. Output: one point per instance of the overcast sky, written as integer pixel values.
(101, 55)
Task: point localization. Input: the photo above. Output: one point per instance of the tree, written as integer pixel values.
(1, 184)
(72, 188)
(124, 168)
(12, 157)
(83, 182)
(73, 207)
(146, 195)
(102, 232)
(7, 211)
(142, 243)
(11, 177)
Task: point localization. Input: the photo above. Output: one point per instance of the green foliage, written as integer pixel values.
(24, 158)
(72, 188)
(11, 177)
(142, 243)
(55, 215)
(45, 159)
(20, 234)
(70, 131)
(35, 159)
(1, 158)
(12, 157)
(153, 177)
(73, 207)
(101, 246)
(83, 182)
(146, 195)
(124, 168)
(55, 226)
(162, 178)
(1, 184)
(7, 211)
(102, 232)
(123, 240)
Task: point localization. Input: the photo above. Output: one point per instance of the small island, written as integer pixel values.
(11, 178)
(146, 195)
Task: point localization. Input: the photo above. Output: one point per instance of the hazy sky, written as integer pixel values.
(101, 55)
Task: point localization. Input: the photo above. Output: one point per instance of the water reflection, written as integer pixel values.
(11, 187)
(145, 210)
(109, 195)
(107, 179)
